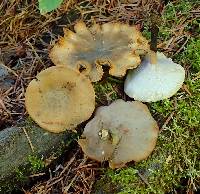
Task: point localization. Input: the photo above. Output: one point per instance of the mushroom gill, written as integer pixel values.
(120, 133)
(59, 99)
(113, 44)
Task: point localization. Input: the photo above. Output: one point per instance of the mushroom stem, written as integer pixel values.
(153, 44)
(153, 57)
(154, 37)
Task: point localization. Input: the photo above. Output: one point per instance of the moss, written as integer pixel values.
(174, 14)
(107, 90)
(174, 164)
(175, 157)
(21, 178)
(36, 164)
(164, 107)
(172, 17)
(191, 55)
(29, 123)
(105, 186)
(21, 175)
(37, 161)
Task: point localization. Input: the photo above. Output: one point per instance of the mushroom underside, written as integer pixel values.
(113, 44)
(120, 133)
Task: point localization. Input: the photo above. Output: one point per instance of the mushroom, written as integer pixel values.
(113, 44)
(59, 99)
(120, 133)
(156, 79)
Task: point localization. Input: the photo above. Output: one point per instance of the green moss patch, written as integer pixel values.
(174, 165)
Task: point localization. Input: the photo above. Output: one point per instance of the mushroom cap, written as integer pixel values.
(59, 99)
(112, 44)
(154, 82)
(120, 133)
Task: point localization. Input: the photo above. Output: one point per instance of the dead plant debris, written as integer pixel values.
(25, 40)
(76, 176)
(25, 36)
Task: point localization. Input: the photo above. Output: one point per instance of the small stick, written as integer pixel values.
(9, 69)
(144, 179)
(167, 121)
(28, 138)
(36, 175)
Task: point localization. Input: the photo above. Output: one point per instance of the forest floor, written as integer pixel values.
(26, 37)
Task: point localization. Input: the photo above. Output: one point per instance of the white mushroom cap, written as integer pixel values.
(154, 82)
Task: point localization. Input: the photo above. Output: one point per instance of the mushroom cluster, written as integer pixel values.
(62, 97)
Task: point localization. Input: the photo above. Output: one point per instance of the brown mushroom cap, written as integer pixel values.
(120, 133)
(59, 99)
(113, 44)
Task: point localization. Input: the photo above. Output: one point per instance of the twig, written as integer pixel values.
(143, 179)
(167, 121)
(33, 49)
(9, 69)
(146, 182)
(178, 51)
(36, 175)
(66, 188)
(185, 87)
(28, 138)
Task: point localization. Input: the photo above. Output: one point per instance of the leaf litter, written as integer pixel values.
(25, 40)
